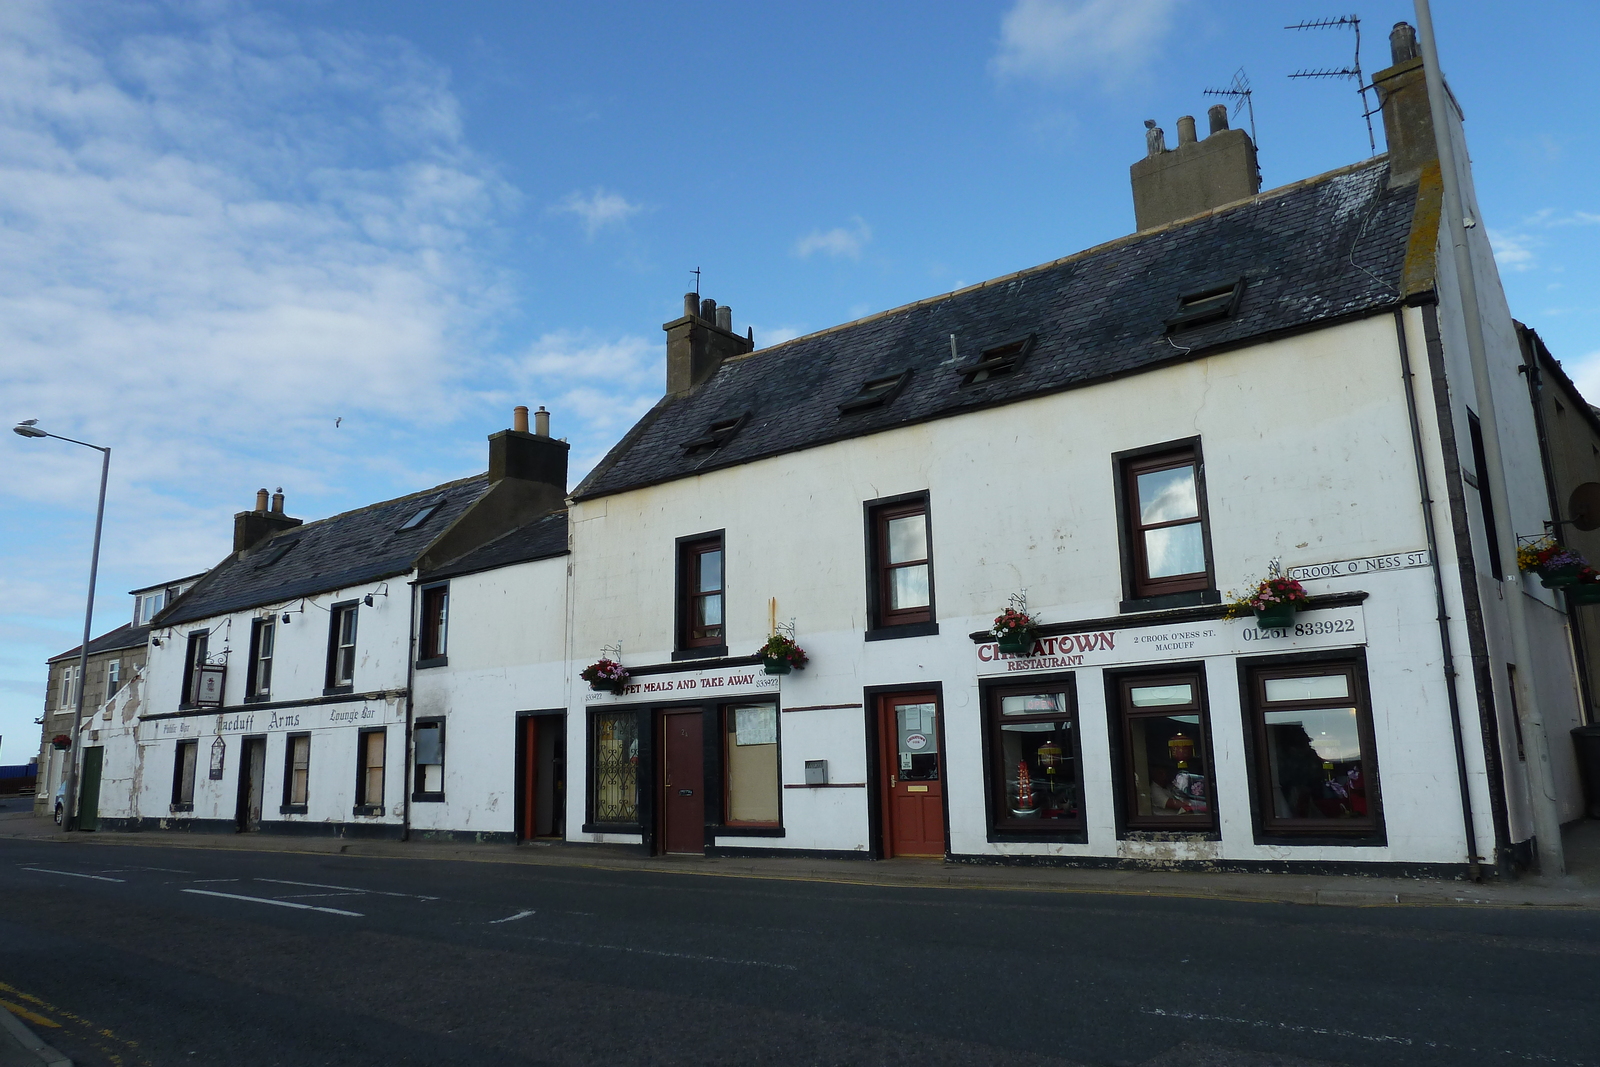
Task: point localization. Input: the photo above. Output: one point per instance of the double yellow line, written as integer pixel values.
(119, 1051)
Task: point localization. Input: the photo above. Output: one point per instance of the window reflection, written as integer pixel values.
(1165, 496)
(1034, 753)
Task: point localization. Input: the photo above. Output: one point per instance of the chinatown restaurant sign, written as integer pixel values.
(1333, 627)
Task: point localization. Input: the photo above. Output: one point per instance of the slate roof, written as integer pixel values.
(125, 636)
(540, 539)
(357, 547)
(1321, 250)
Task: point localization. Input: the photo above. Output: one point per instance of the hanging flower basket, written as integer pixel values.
(1273, 602)
(1275, 617)
(1557, 567)
(61, 741)
(1015, 632)
(605, 676)
(780, 655)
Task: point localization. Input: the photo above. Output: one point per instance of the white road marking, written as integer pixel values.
(269, 900)
(654, 952)
(1329, 1031)
(74, 874)
(209, 881)
(351, 888)
(308, 896)
(511, 918)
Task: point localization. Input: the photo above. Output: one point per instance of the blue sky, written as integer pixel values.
(226, 226)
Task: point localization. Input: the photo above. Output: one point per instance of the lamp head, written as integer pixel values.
(286, 618)
(367, 600)
(28, 428)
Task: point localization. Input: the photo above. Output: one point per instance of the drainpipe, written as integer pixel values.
(1541, 791)
(1467, 825)
(411, 696)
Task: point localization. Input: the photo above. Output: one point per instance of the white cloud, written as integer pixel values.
(836, 242)
(605, 384)
(766, 337)
(1512, 251)
(1069, 40)
(217, 235)
(1585, 374)
(598, 210)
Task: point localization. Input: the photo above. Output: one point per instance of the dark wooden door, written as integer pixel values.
(683, 808)
(89, 789)
(910, 775)
(541, 777)
(252, 787)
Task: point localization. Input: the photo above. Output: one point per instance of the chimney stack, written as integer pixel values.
(1407, 120)
(534, 461)
(1197, 176)
(699, 342)
(250, 528)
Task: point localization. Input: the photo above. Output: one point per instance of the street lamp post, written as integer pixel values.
(69, 808)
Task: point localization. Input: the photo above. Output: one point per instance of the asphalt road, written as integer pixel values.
(148, 955)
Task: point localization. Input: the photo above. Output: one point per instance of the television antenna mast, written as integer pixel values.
(1239, 91)
(1353, 71)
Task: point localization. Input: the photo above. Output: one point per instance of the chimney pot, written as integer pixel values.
(1402, 43)
(724, 317)
(1219, 117)
(250, 528)
(261, 500)
(691, 304)
(708, 309)
(519, 418)
(1186, 130)
(541, 421)
(277, 501)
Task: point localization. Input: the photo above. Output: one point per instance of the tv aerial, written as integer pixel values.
(1353, 71)
(1239, 91)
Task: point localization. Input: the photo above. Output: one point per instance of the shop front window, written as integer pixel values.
(616, 767)
(1166, 766)
(751, 756)
(1034, 758)
(1314, 768)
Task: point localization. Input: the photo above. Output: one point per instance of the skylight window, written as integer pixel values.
(716, 435)
(1206, 306)
(273, 553)
(997, 361)
(422, 515)
(876, 393)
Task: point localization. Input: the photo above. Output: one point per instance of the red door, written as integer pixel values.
(683, 809)
(910, 775)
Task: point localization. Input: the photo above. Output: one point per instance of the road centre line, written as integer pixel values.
(351, 888)
(511, 918)
(269, 900)
(655, 952)
(74, 874)
(209, 881)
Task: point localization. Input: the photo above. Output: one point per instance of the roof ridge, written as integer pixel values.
(1104, 246)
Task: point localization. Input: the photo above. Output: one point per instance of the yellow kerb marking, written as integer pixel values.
(32, 1016)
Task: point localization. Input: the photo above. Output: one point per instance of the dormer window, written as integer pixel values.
(997, 361)
(422, 515)
(273, 553)
(1206, 306)
(716, 435)
(876, 393)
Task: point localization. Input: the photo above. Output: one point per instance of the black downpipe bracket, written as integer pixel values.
(1467, 823)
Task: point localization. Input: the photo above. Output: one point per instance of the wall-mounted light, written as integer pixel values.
(382, 590)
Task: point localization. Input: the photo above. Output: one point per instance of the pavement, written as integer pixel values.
(19, 1046)
(1579, 888)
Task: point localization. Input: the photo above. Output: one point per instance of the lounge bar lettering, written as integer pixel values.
(1311, 629)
